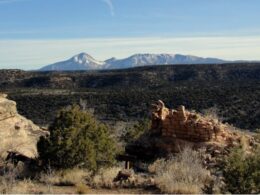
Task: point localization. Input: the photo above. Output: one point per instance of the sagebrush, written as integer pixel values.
(181, 174)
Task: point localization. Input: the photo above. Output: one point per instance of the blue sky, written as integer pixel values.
(34, 33)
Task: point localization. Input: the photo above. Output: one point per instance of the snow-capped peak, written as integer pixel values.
(84, 61)
(84, 58)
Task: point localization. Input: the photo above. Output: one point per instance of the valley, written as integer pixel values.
(124, 95)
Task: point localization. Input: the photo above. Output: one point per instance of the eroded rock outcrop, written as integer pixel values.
(173, 130)
(185, 125)
(17, 134)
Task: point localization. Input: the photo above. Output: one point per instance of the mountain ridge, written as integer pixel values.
(84, 61)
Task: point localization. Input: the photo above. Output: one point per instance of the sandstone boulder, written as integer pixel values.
(17, 134)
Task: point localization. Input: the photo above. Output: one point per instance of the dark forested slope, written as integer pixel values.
(126, 94)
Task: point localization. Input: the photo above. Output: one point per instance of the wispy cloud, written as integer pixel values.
(110, 5)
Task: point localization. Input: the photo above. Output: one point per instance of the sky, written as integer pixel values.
(34, 33)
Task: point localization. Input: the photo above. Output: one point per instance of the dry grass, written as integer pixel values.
(244, 143)
(10, 185)
(82, 189)
(213, 114)
(69, 177)
(8, 178)
(105, 177)
(23, 187)
(183, 174)
(157, 166)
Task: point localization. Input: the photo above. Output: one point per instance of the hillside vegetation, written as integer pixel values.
(123, 95)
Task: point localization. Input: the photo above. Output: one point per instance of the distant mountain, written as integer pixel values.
(159, 59)
(81, 61)
(84, 61)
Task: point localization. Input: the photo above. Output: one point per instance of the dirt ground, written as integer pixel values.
(43, 189)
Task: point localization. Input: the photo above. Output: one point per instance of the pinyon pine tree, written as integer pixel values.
(76, 138)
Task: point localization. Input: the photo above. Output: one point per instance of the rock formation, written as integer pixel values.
(17, 134)
(171, 130)
(185, 125)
